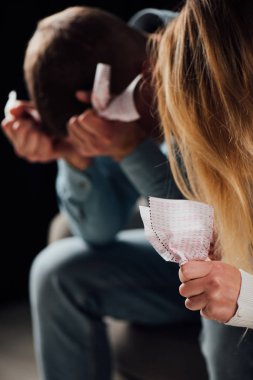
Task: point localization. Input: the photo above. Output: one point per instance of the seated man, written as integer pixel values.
(104, 166)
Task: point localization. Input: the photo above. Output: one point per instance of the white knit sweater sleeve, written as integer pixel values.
(244, 314)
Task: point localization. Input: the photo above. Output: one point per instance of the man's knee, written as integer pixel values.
(43, 277)
(52, 267)
(67, 267)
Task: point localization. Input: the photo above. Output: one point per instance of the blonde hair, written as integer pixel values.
(204, 78)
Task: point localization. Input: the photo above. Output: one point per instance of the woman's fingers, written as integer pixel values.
(212, 287)
(196, 302)
(193, 287)
(194, 269)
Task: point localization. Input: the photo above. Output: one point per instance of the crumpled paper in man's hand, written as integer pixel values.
(121, 107)
(12, 98)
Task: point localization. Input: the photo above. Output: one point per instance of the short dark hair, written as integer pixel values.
(62, 55)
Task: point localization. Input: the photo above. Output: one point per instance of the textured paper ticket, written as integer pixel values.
(179, 230)
(121, 107)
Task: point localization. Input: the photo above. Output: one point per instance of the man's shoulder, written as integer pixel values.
(150, 19)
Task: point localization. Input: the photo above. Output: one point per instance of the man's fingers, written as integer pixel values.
(27, 140)
(21, 108)
(21, 137)
(97, 126)
(83, 96)
(32, 145)
(77, 136)
(76, 132)
(86, 142)
(7, 127)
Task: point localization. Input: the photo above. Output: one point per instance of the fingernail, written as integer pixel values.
(72, 120)
(16, 125)
(82, 117)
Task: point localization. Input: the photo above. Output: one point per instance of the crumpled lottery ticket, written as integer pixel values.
(179, 230)
(12, 97)
(121, 107)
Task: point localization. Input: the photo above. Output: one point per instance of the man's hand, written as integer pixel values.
(95, 136)
(212, 287)
(30, 143)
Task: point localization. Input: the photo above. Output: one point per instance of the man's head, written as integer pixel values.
(62, 55)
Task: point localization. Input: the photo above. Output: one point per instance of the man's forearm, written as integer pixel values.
(148, 169)
(94, 206)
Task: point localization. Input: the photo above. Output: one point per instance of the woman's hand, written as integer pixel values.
(212, 287)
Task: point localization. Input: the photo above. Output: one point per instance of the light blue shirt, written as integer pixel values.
(99, 200)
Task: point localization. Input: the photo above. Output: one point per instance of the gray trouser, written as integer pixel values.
(228, 353)
(74, 286)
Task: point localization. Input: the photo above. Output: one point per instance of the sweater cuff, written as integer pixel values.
(244, 314)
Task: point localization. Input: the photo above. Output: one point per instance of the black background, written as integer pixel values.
(27, 195)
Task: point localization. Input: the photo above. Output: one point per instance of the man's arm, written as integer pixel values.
(147, 167)
(97, 201)
(95, 194)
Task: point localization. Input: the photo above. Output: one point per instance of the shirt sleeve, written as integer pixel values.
(147, 167)
(97, 201)
(244, 314)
